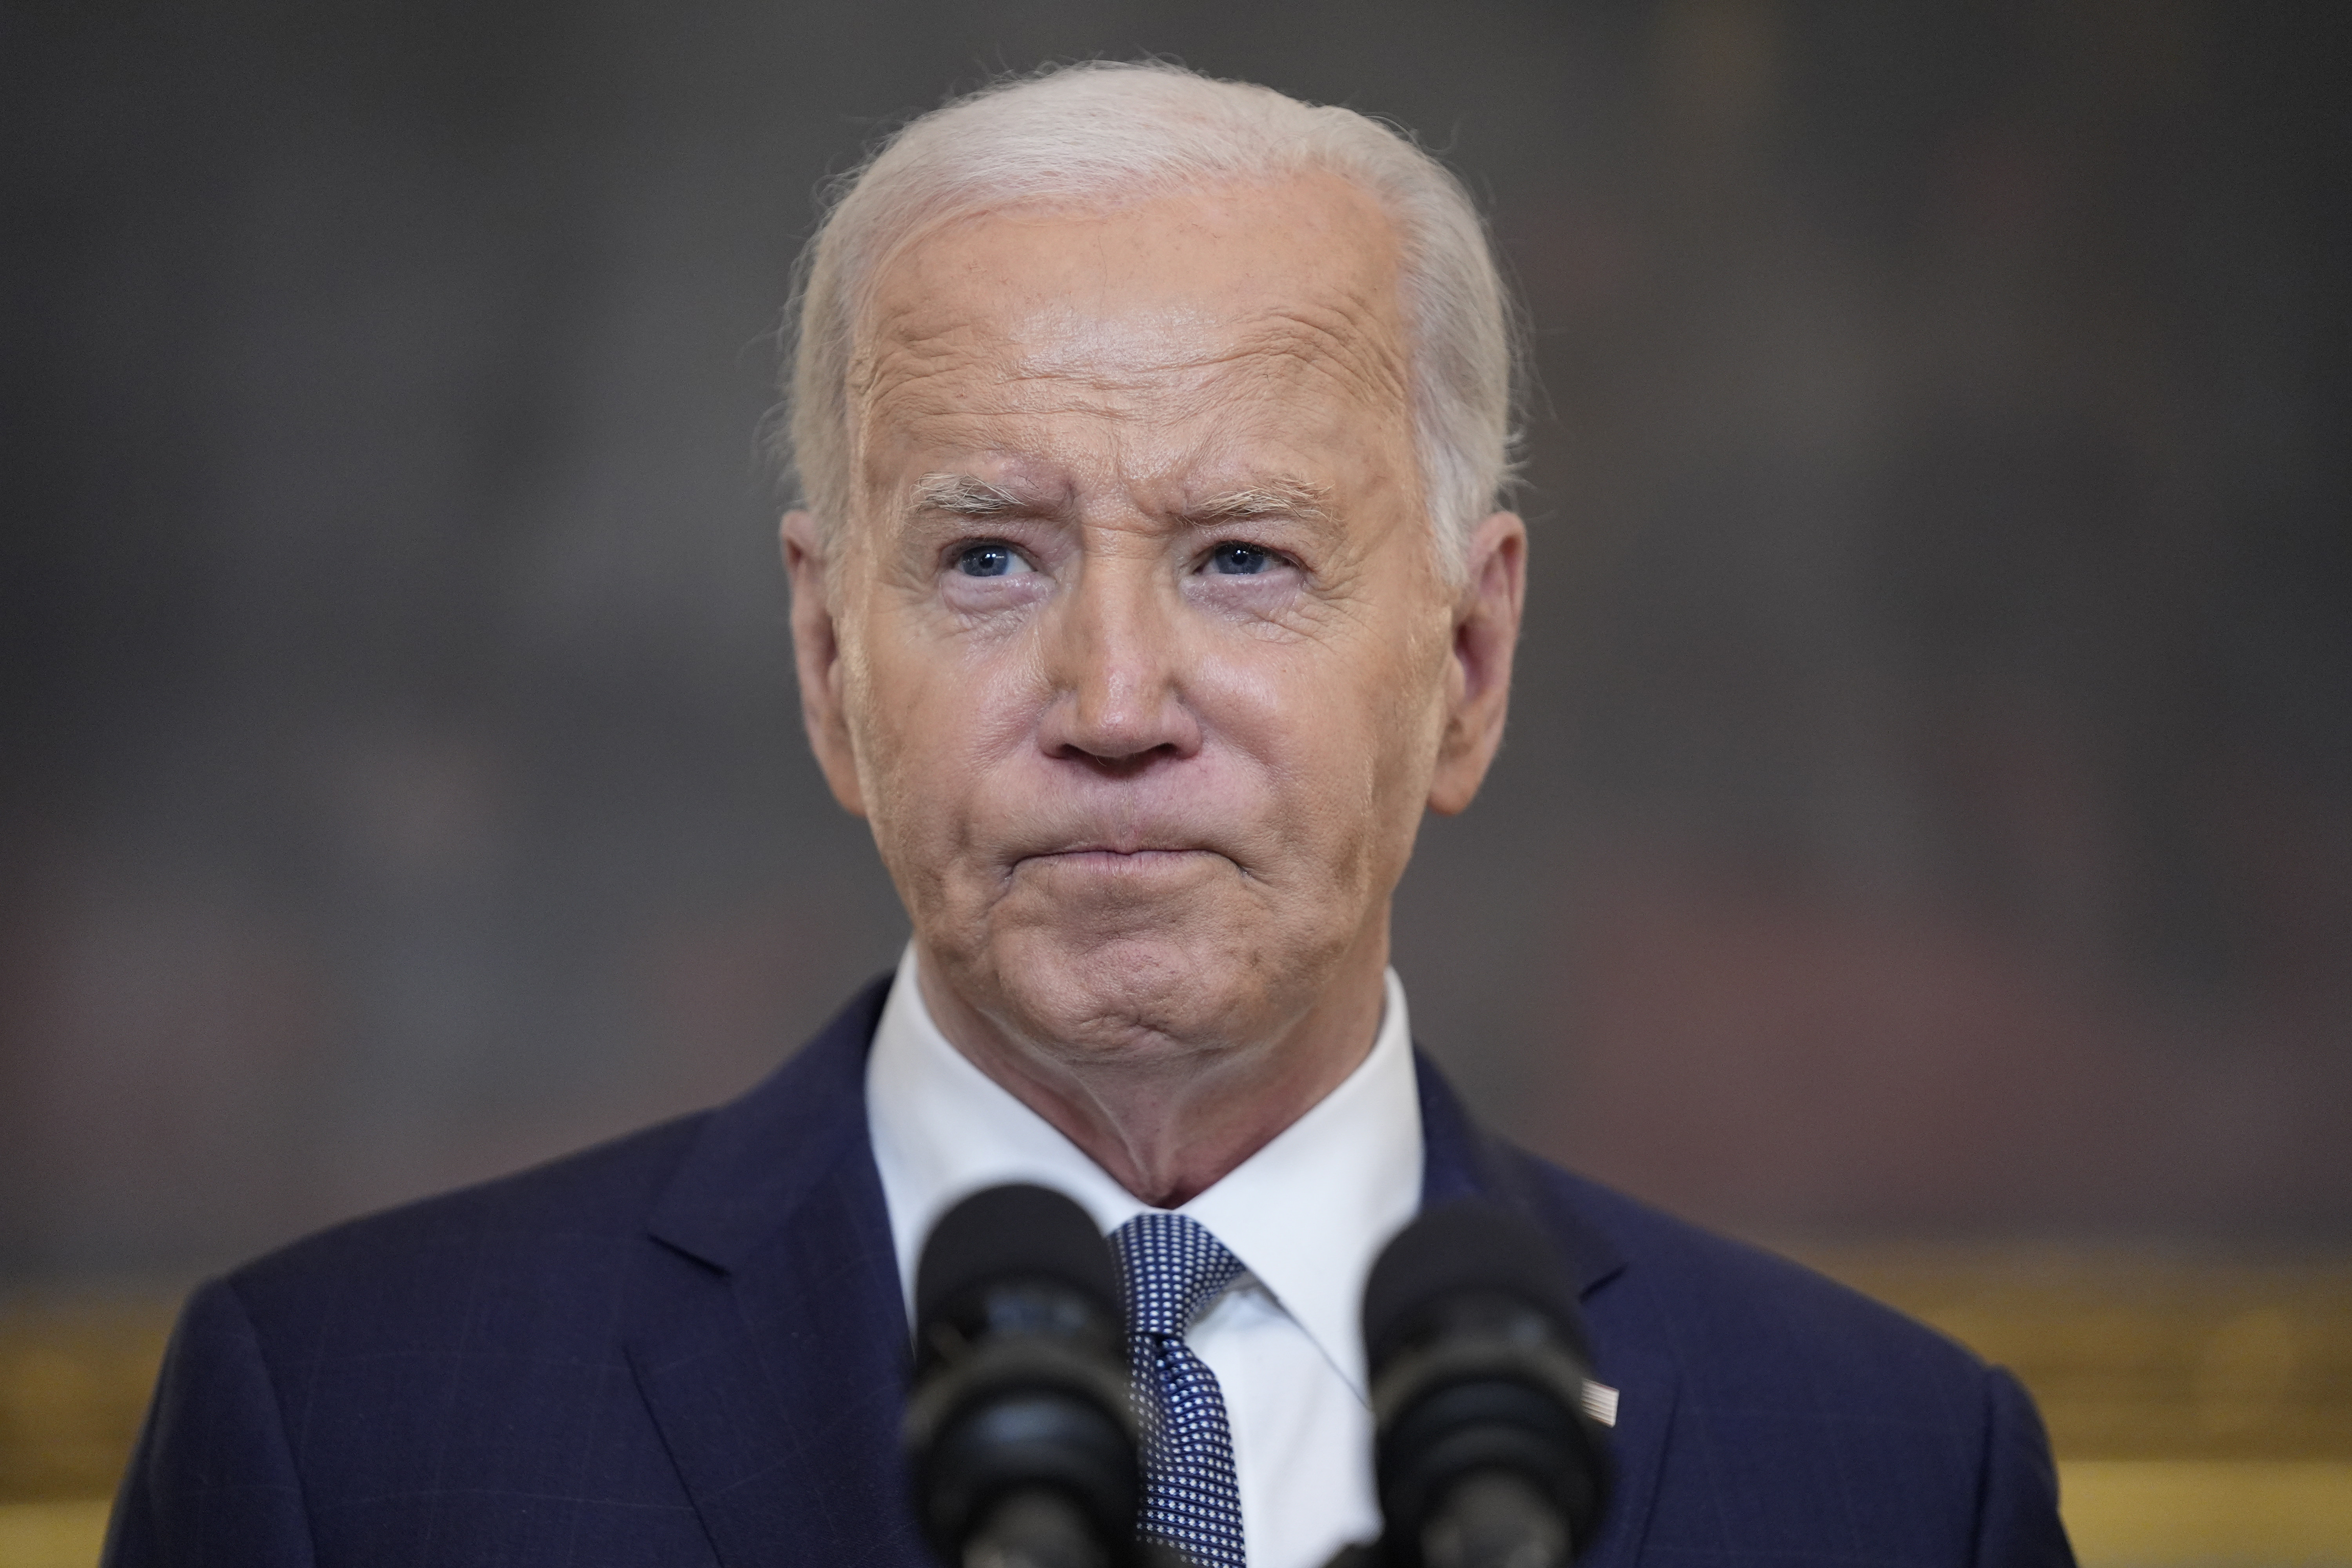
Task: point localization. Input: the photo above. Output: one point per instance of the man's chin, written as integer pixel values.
(1089, 995)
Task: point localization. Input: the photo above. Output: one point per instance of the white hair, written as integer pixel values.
(1113, 133)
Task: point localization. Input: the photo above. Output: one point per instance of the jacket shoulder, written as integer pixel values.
(1792, 1415)
(556, 1230)
(1742, 1314)
(547, 1256)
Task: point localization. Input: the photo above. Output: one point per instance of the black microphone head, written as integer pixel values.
(1479, 1370)
(1016, 1232)
(1458, 1250)
(1020, 1421)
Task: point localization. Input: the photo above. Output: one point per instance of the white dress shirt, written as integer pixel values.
(1307, 1214)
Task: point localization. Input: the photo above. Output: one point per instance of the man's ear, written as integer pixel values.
(816, 656)
(1478, 680)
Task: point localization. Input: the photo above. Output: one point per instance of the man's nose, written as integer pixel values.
(1115, 655)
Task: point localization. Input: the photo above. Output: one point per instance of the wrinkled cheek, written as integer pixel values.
(922, 802)
(895, 808)
(1413, 725)
(1394, 785)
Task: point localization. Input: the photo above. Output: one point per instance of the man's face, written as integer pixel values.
(1134, 649)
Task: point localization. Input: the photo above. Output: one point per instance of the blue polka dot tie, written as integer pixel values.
(1174, 1268)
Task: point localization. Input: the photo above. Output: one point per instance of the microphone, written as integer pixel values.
(1020, 1432)
(1484, 1455)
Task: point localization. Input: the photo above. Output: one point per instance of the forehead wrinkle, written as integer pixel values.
(1346, 344)
(1341, 338)
(1345, 334)
(900, 365)
(935, 372)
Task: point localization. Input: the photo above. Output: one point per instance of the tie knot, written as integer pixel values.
(1171, 1268)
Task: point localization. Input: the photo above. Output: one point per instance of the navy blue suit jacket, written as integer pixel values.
(688, 1348)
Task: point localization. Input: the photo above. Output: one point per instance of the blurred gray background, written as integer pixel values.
(1927, 809)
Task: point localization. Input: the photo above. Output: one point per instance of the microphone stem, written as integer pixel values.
(1495, 1519)
(1035, 1527)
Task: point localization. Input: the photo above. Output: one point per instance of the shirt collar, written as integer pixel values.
(1307, 1214)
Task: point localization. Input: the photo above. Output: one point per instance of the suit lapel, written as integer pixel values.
(769, 1336)
(1460, 1161)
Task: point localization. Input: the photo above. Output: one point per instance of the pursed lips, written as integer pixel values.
(1117, 857)
(1140, 846)
(1113, 854)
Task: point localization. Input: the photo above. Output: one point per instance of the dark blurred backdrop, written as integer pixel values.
(1928, 802)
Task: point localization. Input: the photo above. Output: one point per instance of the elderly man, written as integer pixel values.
(1149, 586)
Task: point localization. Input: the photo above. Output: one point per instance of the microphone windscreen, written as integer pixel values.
(1015, 1232)
(1464, 1249)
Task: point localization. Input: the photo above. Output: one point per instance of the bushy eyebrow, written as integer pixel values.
(960, 495)
(1275, 498)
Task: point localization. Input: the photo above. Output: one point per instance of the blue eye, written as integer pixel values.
(986, 559)
(1240, 560)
